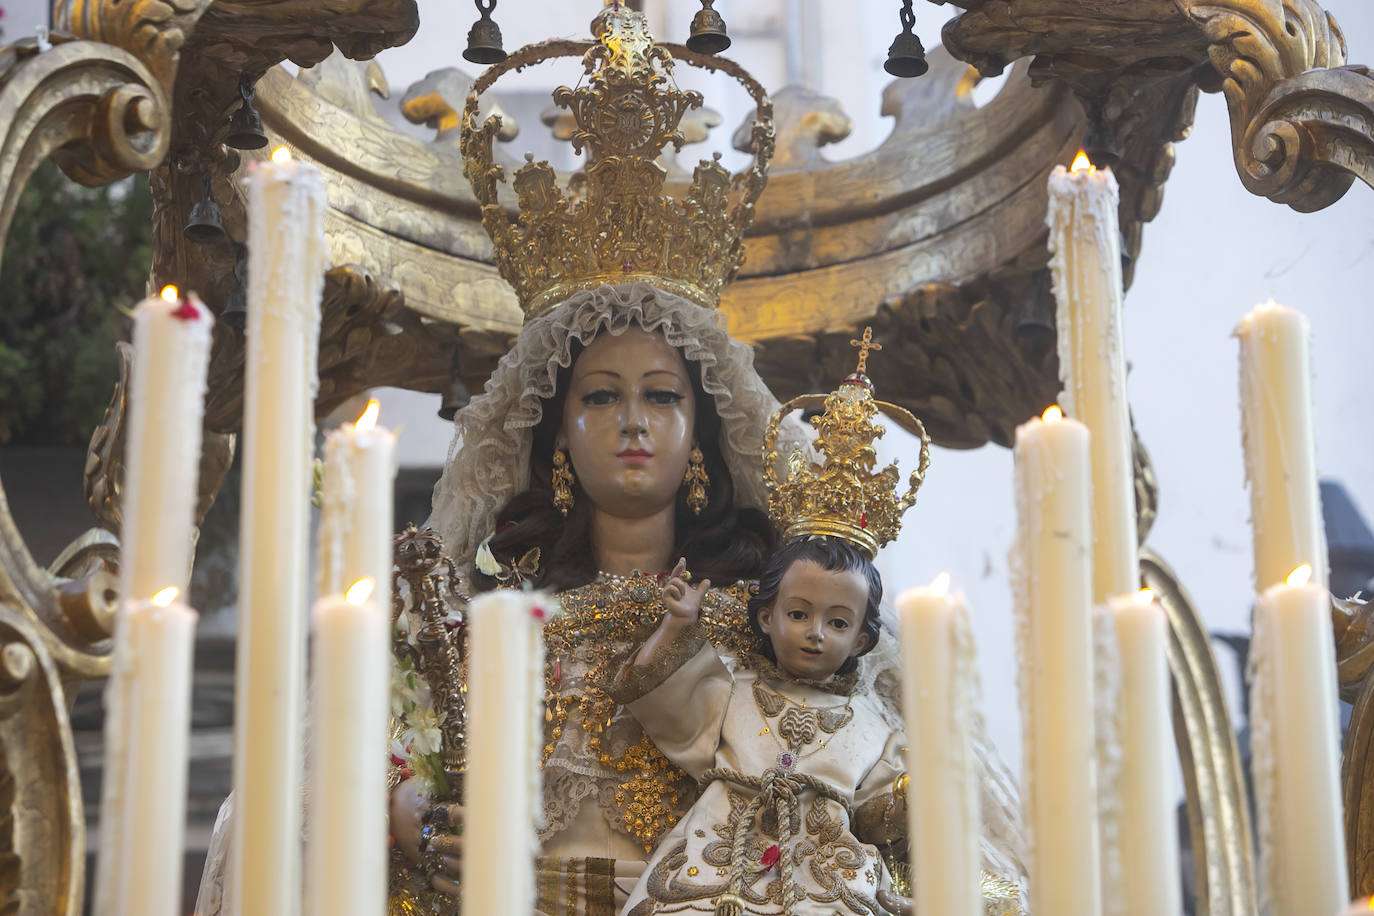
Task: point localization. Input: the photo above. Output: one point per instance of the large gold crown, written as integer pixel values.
(844, 497)
(615, 224)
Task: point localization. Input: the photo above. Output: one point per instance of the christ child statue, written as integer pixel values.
(801, 773)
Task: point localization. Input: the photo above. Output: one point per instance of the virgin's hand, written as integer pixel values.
(445, 847)
(408, 808)
(448, 852)
(895, 904)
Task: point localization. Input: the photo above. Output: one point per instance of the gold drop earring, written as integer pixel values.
(696, 481)
(562, 482)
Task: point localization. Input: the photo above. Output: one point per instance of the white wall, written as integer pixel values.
(22, 17)
(1214, 252)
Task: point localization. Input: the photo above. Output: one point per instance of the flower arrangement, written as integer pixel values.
(417, 743)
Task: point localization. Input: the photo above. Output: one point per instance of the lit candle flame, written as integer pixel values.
(166, 596)
(281, 154)
(940, 584)
(369, 418)
(1145, 597)
(1052, 414)
(1300, 576)
(1081, 163)
(360, 591)
(169, 294)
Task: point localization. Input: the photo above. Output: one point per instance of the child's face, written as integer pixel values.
(816, 622)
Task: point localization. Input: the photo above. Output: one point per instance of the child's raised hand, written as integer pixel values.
(683, 599)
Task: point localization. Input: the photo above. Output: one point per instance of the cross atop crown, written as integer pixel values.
(865, 344)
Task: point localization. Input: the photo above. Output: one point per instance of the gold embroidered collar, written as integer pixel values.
(842, 685)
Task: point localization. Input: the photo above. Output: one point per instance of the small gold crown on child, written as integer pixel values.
(844, 496)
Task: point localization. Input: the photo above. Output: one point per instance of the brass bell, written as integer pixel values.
(1099, 141)
(708, 31)
(235, 310)
(204, 226)
(1036, 323)
(456, 394)
(906, 57)
(456, 397)
(484, 38)
(245, 126)
(245, 129)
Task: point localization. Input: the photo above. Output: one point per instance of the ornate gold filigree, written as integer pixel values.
(843, 497)
(618, 226)
(428, 590)
(598, 621)
(649, 797)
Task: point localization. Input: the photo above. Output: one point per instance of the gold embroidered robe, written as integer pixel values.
(705, 717)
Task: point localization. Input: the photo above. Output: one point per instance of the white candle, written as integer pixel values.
(938, 695)
(346, 851)
(1085, 264)
(1052, 583)
(501, 788)
(346, 858)
(355, 533)
(1147, 834)
(286, 263)
(171, 338)
(153, 679)
(1296, 750)
(1360, 907)
(1280, 449)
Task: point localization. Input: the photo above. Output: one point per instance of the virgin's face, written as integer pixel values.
(627, 423)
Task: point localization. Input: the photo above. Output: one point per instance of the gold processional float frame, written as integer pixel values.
(936, 238)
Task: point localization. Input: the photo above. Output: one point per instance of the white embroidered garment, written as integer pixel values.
(841, 749)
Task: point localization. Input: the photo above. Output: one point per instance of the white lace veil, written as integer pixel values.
(489, 458)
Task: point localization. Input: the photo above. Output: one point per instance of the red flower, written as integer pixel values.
(770, 857)
(186, 311)
(538, 613)
(397, 761)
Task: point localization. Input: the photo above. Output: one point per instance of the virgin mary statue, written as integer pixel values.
(622, 431)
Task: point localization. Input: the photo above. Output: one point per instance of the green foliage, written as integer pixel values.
(76, 260)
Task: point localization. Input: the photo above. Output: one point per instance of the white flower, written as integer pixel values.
(401, 696)
(423, 735)
(486, 563)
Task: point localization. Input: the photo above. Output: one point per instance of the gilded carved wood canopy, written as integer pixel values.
(936, 237)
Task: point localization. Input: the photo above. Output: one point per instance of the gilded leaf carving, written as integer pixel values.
(1302, 123)
(154, 31)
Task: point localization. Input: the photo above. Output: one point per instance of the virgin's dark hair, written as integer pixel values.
(724, 543)
(833, 554)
